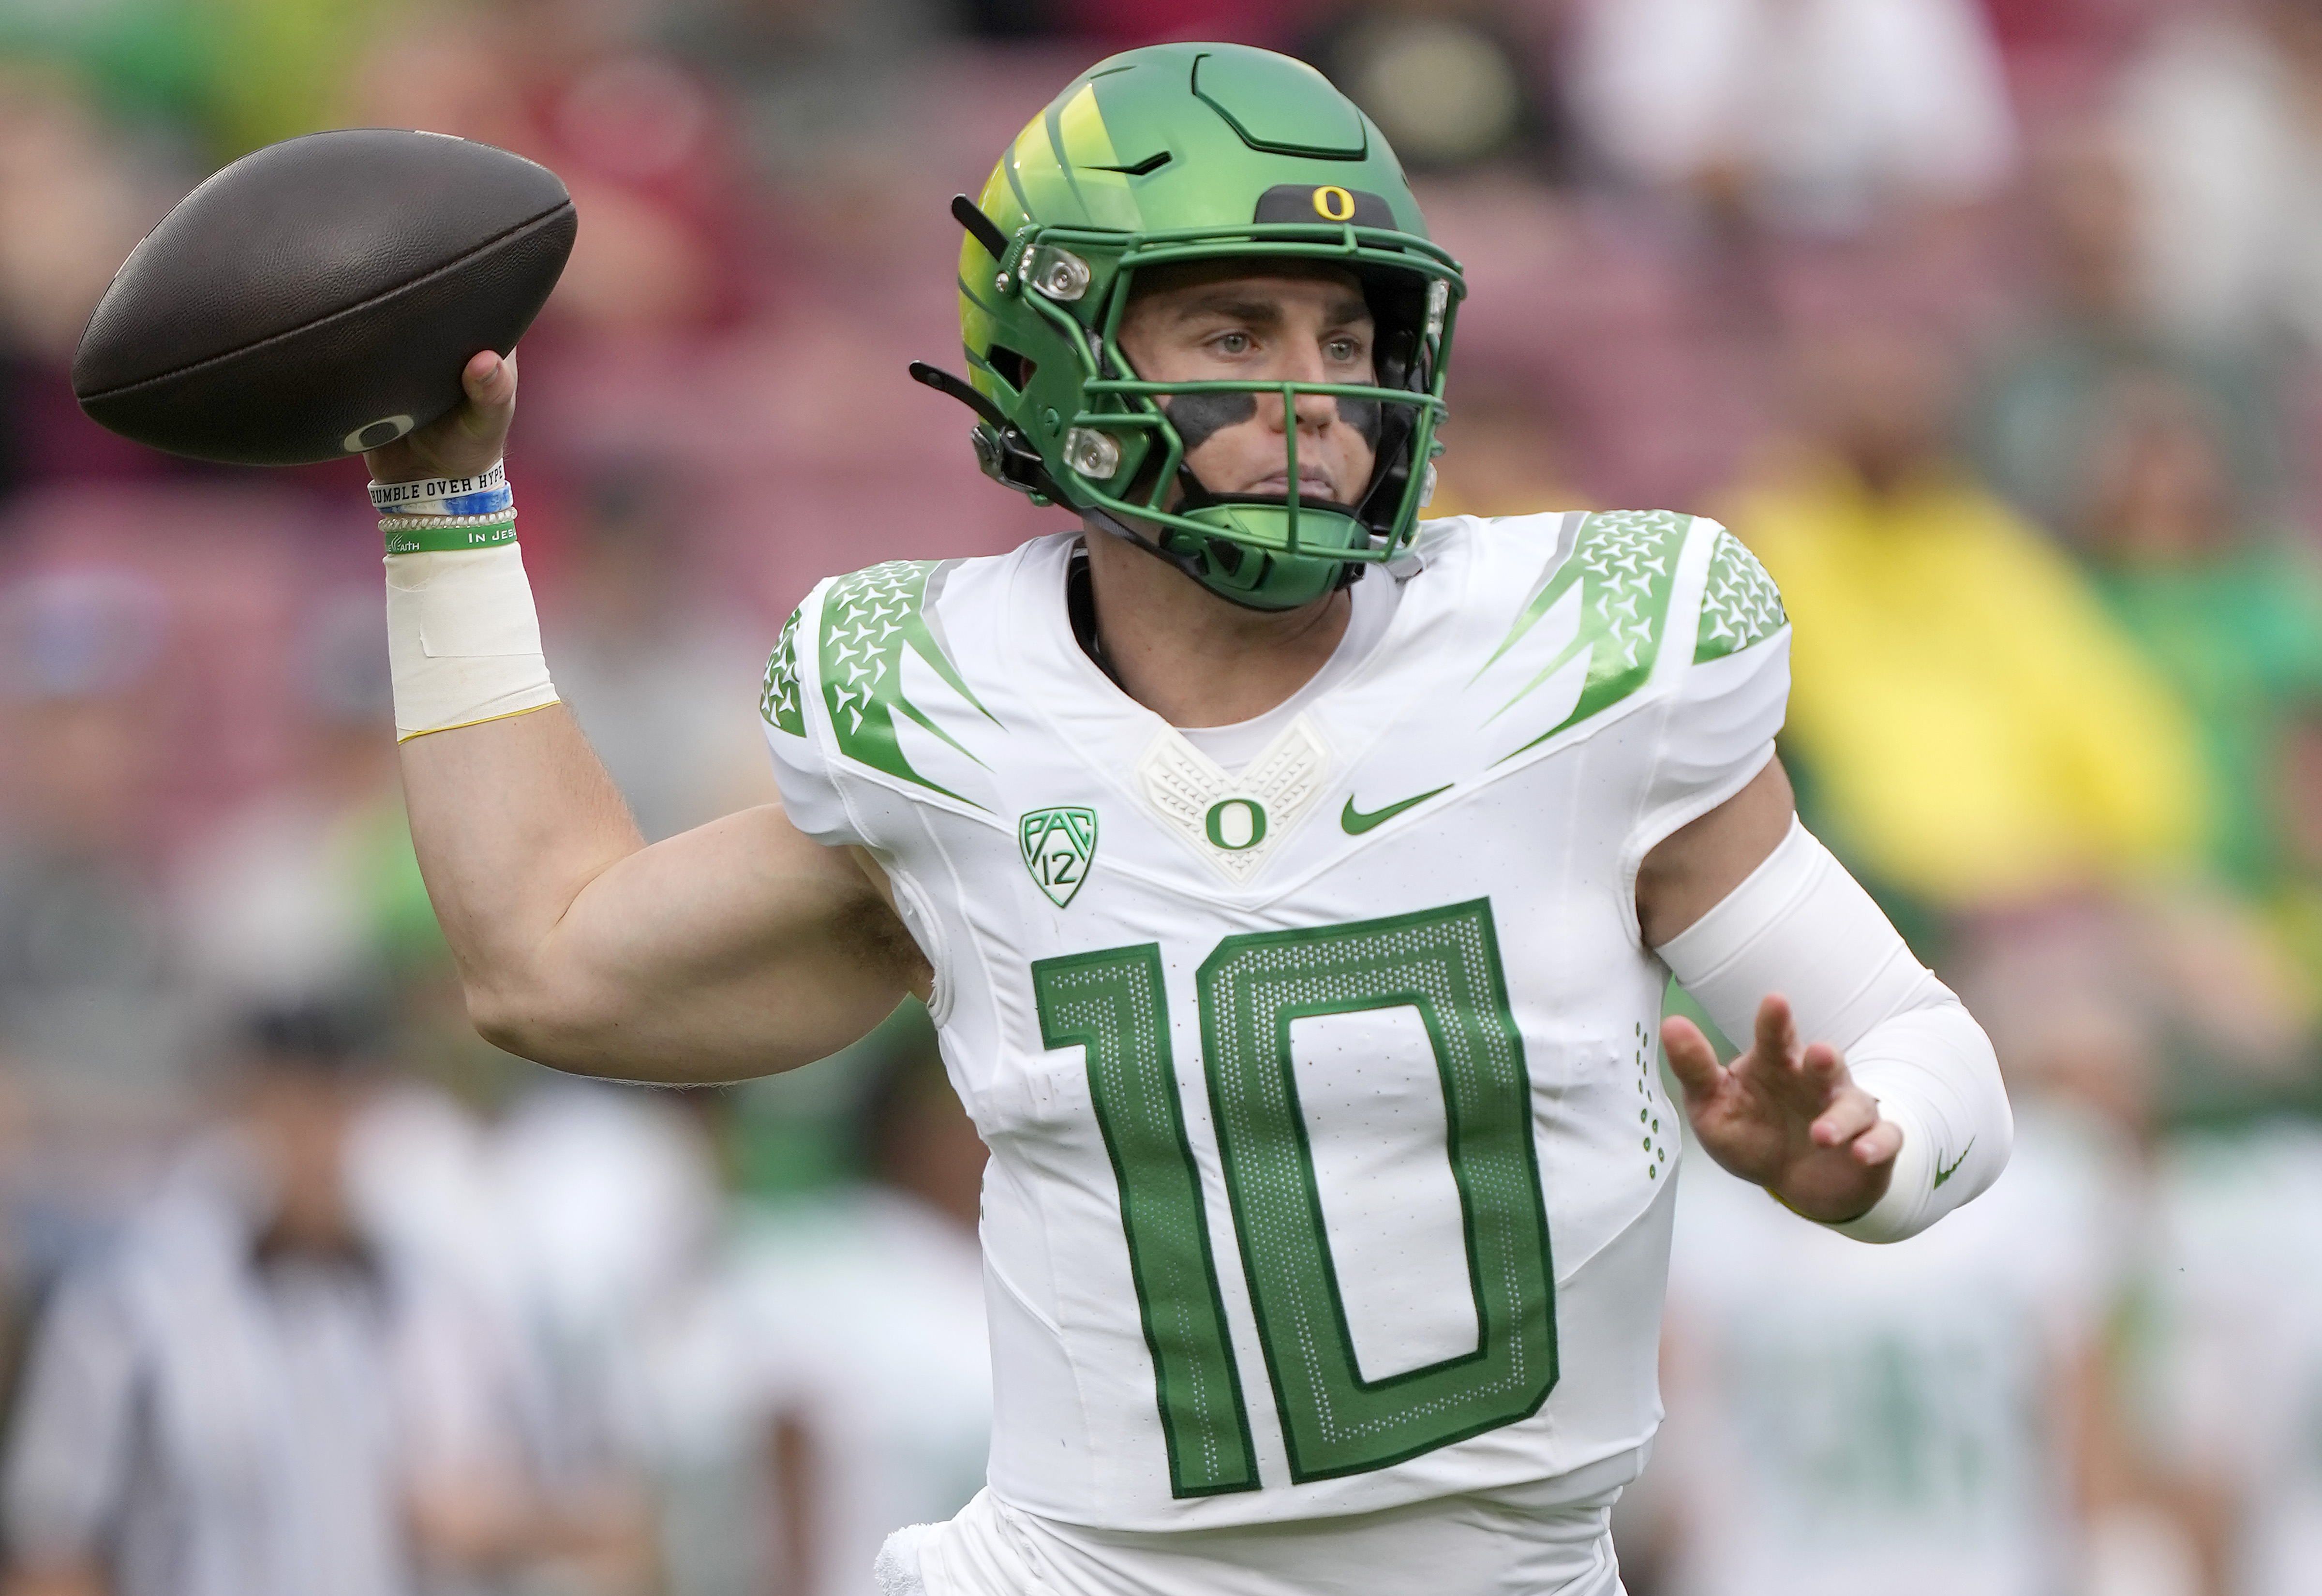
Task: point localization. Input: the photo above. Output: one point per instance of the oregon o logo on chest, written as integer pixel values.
(1333, 203)
(1236, 823)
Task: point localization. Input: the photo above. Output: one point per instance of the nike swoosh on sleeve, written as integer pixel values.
(1353, 822)
(1944, 1172)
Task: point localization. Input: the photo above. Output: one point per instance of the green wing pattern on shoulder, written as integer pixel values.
(1624, 563)
(777, 701)
(1740, 606)
(868, 620)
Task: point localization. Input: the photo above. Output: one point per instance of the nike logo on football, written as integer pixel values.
(1355, 822)
(1944, 1172)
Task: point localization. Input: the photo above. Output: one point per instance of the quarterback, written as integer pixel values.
(1294, 882)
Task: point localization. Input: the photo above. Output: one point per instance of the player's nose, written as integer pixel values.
(1314, 411)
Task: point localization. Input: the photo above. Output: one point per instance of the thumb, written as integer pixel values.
(1690, 1058)
(488, 381)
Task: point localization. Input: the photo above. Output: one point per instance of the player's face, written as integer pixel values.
(1275, 324)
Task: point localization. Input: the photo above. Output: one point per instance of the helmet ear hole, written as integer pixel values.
(1015, 369)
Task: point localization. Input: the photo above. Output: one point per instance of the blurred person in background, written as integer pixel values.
(2228, 606)
(653, 661)
(1814, 116)
(72, 204)
(2236, 1364)
(2230, 613)
(828, 1376)
(867, 1317)
(254, 1391)
(94, 1008)
(812, 83)
(2224, 143)
(1972, 726)
(577, 1219)
(1454, 86)
(2086, 328)
(1928, 1419)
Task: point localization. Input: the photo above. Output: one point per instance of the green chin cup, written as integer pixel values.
(1248, 559)
(1267, 554)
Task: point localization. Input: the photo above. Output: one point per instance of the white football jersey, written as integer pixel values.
(1892, 1418)
(1330, 1167)
(2238, 1301)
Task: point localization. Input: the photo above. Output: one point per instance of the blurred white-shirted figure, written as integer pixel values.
(834, 1379)
(256, 1392)
(2238, 1294)
(1906, 1420)
(580, 1221)
(1818, 112)
(870, 1324)
(2226, 153)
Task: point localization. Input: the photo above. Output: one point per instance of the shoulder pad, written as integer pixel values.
(1740, 604)
(1624, 564)
(867, 621)
(777, 700)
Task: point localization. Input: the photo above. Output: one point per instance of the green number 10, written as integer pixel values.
(1446, 964)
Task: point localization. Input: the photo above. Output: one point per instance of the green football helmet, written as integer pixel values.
(1183, 152)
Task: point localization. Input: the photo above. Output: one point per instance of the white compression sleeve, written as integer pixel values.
(463, 639)
(1801, 926)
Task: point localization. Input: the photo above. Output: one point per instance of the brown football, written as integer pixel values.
(320, 296)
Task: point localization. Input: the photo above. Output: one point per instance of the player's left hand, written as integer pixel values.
(1786, 1117)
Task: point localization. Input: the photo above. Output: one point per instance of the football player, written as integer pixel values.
(1294, 882)
(1915, 1421)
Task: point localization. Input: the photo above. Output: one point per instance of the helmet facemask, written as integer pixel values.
(1126, 446)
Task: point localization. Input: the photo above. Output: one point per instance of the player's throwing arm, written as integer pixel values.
(330, 295)
(730, 951)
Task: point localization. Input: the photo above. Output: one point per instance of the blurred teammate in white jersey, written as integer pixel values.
(1293, 882)
(1911, 1420)
(2238, 1283)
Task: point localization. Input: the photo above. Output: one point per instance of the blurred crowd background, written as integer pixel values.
(1991, 324)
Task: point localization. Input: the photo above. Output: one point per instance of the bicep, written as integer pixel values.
(1691, 870)
(739, 948)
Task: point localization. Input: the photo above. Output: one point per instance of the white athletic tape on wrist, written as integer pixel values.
(463, 639)
(1801, 926)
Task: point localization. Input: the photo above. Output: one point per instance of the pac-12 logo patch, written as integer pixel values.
(1059, 845)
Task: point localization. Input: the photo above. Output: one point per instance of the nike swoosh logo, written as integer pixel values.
(1355, 822)
(1944, 1172)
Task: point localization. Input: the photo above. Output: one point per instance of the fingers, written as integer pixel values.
(1852, 1122)
(1778, 1033)
(1879, 1145)
(489, 382)
(487, 374)
(1852, 1112)
(1690, 1057)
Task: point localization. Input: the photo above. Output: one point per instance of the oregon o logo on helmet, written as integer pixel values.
(1237, 825)
(1333, 203)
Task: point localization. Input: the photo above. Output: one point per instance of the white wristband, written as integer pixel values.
(463, 639)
